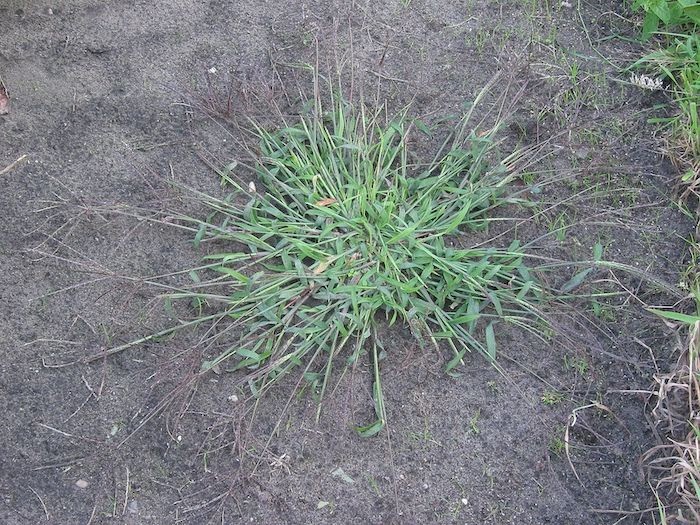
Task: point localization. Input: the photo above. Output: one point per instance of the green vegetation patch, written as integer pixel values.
(342, 231)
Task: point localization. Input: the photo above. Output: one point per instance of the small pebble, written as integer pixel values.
(81, 484)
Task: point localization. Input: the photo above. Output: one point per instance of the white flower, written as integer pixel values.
(645, 82)
(251, 187)
(212, 70)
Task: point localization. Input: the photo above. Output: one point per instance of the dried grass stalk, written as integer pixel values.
(673, 467)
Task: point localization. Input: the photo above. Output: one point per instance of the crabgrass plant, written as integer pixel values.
(341, 231)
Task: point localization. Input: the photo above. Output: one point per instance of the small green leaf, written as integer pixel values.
(576, 280)
(169, 309)
(403, 234)
(496, 303)
(651, 24)
(597, 252)
(312, 376)
(233, 273)
(226, 172)
(524, 290)
(452, 363)
(249, 354)
(490, 341)
(371, 429)
(675, 316)
(466, 318)
(206, 365)
(422, 127)
(340, 473)
(200, 234)
(661, 9)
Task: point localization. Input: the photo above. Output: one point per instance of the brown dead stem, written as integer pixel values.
(673, 466)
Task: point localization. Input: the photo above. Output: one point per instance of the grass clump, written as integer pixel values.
(679, 64)
(342, 230)
(673, 466)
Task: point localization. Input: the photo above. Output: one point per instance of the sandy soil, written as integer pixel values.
(96, 103)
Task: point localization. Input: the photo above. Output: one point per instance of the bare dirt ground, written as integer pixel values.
(96, 103)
